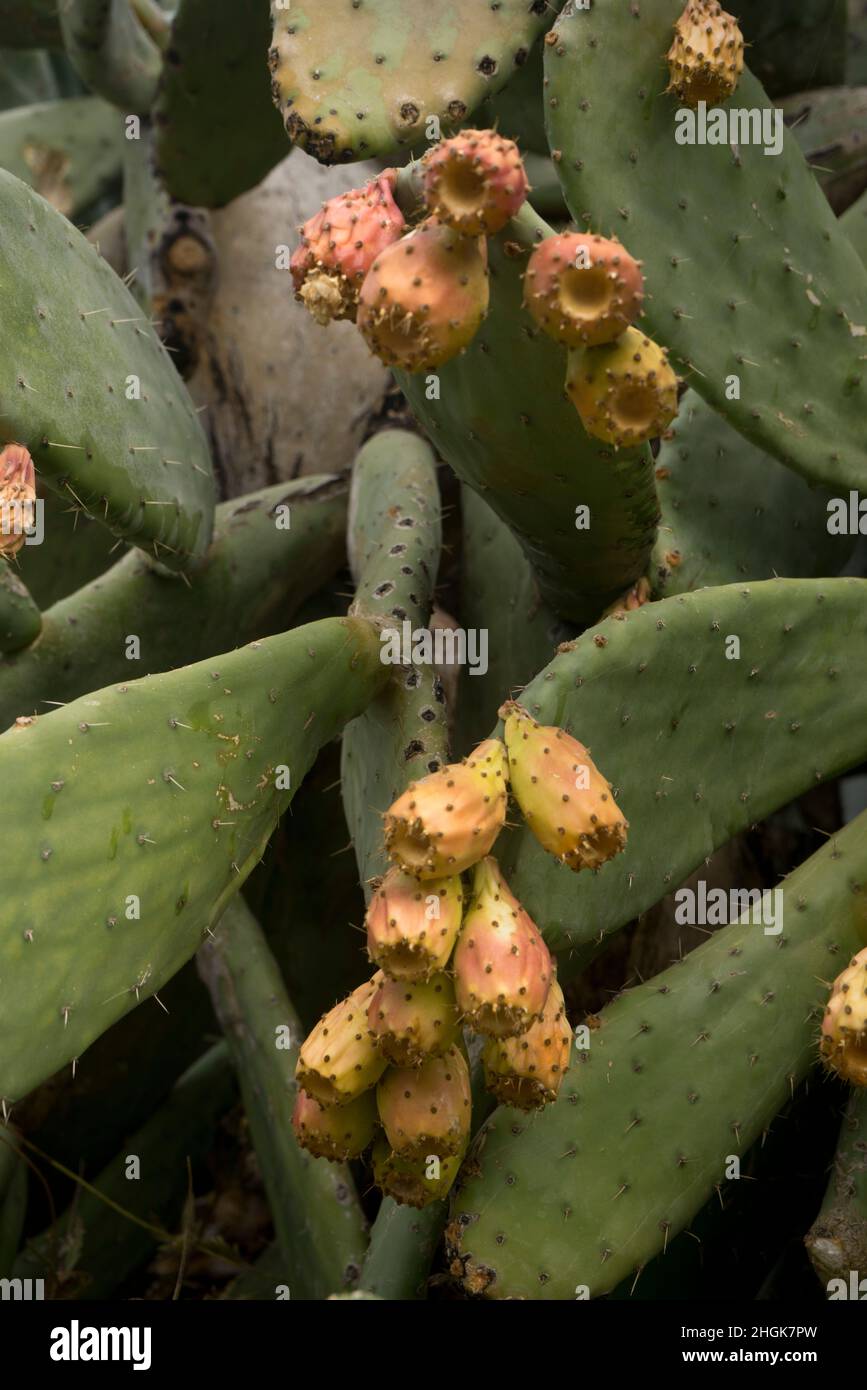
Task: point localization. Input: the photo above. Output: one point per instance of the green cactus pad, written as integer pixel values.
(112, 51)
(27, 78)
(29, 24)
(20, 619)
(837, 1239)
(828, 124)
(793, 46)
(683, 1073)
(254, 577)
(155, 798)
(696, 746)
(218, 133)
(73, 337)
(69, 151)
(317, 1215)
(729, 512)
(748, 274)
(356, 81)
(504, 424)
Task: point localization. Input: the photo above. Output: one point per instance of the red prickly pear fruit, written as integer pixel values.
(503, 969)
(413, 1182)
(424, 298)
(339, 1060)
(338, 1132)
(449, 820)
(17, 497)
(414, 1019)
(412, 927)
(844, 1027)
(583, 290)
(526, 1072)
(426, 1111)
(563, 796)
(625, 392)
(339, 245)
(475, 181)
(706, 59)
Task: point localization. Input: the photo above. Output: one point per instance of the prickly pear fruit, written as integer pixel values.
(426, 1111)
(414, 1182)
(17, 497)
(503, 969)
(424, 297)
(636, 596)
(449, 820)
(475, 182)
(412, 927)
(706, 59)
(563, 796)
(625, 392)
(583, 290)
(844, 1027)
(336, 1132)
(526, 1072)
(339, 245)
(414, 1019)
(339, 1060)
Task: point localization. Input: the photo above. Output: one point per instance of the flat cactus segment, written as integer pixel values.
(794, 46)
(697, 746)
(255, 576)
(26, 78)
(20, 619)
(30, 24)
(353, 82)
(143, 808)
(103, 1246)
(218, 133)
(503, 423)
(684, 1072)
(837, 1240)
(403, 1241)
(76, 350)
(828, 124)
(740, 240)
(730, 513)
(112, 51)
(68, 151)
(317, 1215)
(394, 540)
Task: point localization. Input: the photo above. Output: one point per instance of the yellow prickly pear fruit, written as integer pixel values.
(424, 297)
(503, 969)
(844, 1027)
(414, 1019)
(625, 391)
(338, 1132)
(450, 819)
(411, 926)
(527, 1071)
(426, 1111)
(339, 1060)
(563, 796)
(706, 59)
(414, 1182)
(475, 181)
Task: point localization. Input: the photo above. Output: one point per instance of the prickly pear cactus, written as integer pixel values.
(438, 873)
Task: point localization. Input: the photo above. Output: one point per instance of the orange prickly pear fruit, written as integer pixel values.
(527, 1071)
(503, 969)
(583, 290)
(475, 182)
(339, 1060)
(412, 926)
(414, 1182)
(563, 796)
(338, 1132)
(424, 297)
(412, 1020)
(17, 497)
(339, 245)
(706, 59)
(449, 820)
(844, 1027)
(625, 392)
(426, 1111)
